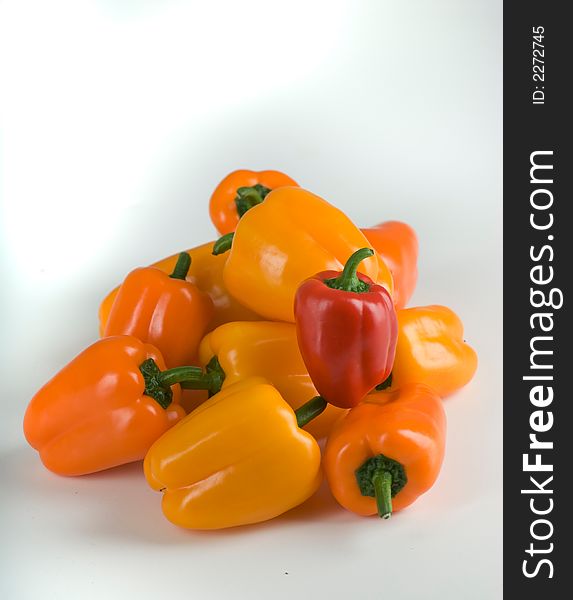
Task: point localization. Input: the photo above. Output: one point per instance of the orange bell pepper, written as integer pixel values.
(387, 451)
(397, 244)
(164, 310)
(291, 236)
(269, 350)
(431, 350)
(240, 191)
(206, 272)
(239, 458)
(105, 408)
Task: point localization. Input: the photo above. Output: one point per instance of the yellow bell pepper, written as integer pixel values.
(206, 272)
(431, 349)
(239, 458)
(270, 350)
(289, 237)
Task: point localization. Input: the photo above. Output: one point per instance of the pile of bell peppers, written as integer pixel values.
(222, 367)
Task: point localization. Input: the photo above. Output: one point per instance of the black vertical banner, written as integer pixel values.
(538, 330)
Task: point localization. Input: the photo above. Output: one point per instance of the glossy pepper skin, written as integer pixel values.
(397, 244)
(164, 310)
(239, 458)
(239, 191)
(347, 329)
(291, 236)
(392, 445)
(269, 350)
(95, 414)
(206, 272)
(431, 350)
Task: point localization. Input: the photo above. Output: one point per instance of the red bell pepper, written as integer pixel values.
(347, 330)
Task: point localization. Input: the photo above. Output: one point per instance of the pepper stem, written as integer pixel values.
(382, 478)
(211, 380)
(223, 244)
(385, 384)
(155, 388)
(181, 267)
(311, 409)
(348, 280)
(158, 383)
(247, 197)
(190, 376)
(382, 483)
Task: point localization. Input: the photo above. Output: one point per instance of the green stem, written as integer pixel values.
(158, 383)
(154, 388)
(188, 376)
(247, 197)
(382, 478)
(385, 384)
(382, 483)
(223, 244)
(311, 409)
(211, 380)
(348, 281)
(182, 266)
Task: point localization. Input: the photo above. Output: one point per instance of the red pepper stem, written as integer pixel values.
(311, 409)
(382, 482)
(181, 267)
(348, 281)
(223, 244)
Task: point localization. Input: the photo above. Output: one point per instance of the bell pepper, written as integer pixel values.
(270, 350)
(206, 272)
(397, 245)
(239, 458)
(291, 236)
(386, 451)
(105, 408)
(240, 191)
(431, 350)
(164, 310)
(346, 328)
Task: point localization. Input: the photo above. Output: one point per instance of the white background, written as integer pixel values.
(118, 119)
